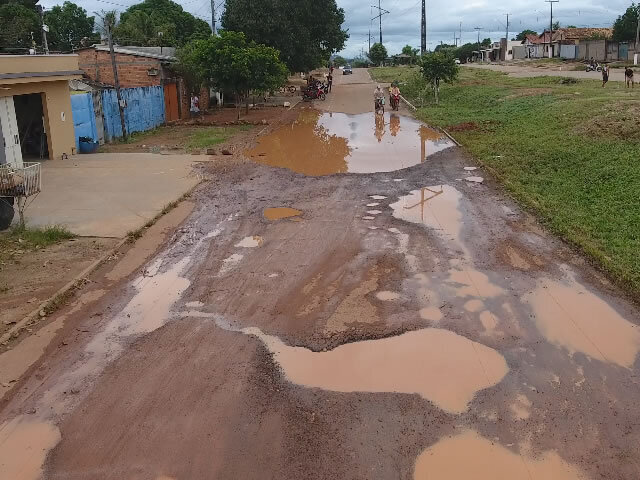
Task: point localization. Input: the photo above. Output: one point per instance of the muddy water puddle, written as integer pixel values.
(278, 213)
(470, 456)
(24, 444)
(440, 366)
(569, 316)
(327, 143)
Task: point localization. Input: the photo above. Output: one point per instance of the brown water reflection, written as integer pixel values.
(326, 143)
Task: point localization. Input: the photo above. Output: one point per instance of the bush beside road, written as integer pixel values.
(566, 149)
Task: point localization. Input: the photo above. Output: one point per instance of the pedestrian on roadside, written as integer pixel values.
(605, 75)
(195, 105)
(628, 76)
(329, 81)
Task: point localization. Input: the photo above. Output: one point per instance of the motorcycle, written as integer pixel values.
(395, 101)
(380, 106)
(314, 93)
(594, 68)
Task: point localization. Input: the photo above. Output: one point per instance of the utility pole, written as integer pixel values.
(115, 80)
(506, 39)
(478, 30)
(635, 57)
(423, 33)
(460, 33)
(213, 16)
(44, 31)
(381, 12)
(551, 2)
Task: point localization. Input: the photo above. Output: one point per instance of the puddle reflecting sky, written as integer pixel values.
(326, 143)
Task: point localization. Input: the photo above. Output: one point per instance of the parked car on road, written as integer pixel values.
(347, 70)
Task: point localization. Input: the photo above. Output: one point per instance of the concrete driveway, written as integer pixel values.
(110, 194)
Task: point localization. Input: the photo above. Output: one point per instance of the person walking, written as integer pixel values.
(628, 77)
(329, 81)
(605, 75)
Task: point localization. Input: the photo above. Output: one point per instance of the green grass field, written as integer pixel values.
(569, 151)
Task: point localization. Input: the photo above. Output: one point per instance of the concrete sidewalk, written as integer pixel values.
(110, 194)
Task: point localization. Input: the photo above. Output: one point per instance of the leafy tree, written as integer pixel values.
(624, 28)
(377, 54)
(17, 22)
(465, 52)
(68, 25)
(306, 32)
(339, 61)
(523, 34)
(556, 26)
(142, 23)
(438, 67)
(486, 42)
(571, 26)
(232, 64)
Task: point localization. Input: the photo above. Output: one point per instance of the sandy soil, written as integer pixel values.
(408, 324)
(29, 278)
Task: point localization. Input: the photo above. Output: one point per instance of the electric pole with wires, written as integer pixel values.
(478, 30)
(423, 32)
(551, 2)
(381, 12)
(213, 16)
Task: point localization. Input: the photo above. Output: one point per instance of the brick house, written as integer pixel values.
(142, 67)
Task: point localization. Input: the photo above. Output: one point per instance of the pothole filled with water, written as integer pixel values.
(327, 143)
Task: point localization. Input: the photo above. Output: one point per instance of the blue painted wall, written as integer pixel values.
(84, 119)
(144, 110)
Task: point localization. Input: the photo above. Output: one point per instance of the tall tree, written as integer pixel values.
(232, 64)
(377, 54)
(68, 26)
(17, 23)
(306, 32)
(624, 28)
(158, 22)
(436, 68)
(523, 34)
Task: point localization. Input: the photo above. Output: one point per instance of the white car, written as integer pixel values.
(457, 60)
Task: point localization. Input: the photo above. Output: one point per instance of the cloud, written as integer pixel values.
(402, 25)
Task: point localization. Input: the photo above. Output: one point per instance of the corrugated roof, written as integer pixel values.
(167, 55)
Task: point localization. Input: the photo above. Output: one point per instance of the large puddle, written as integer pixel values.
(326, 143)
(441, 366)
(24, 445)
(572, 317)
(470, 456)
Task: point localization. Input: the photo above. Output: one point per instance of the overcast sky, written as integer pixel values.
(402, 25)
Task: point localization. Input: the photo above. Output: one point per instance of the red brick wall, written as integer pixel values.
(132, 70)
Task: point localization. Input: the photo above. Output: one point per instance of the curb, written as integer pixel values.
(451, 137)
(35, 314)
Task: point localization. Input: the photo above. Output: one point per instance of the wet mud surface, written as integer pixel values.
(406, 324)
(325, 143)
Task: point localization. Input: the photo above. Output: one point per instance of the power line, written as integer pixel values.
(382, 12)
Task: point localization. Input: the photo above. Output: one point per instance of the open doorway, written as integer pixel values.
(31, 126)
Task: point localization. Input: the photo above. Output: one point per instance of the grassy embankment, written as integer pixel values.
(189, 138)
(29, 239)
(568, 151)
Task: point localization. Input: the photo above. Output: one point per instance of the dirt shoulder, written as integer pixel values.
(29, 277)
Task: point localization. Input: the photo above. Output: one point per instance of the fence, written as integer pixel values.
(99, 117)
(84, 118)
(144, 110)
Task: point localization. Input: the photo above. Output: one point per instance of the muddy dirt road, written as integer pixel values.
(373, 310)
